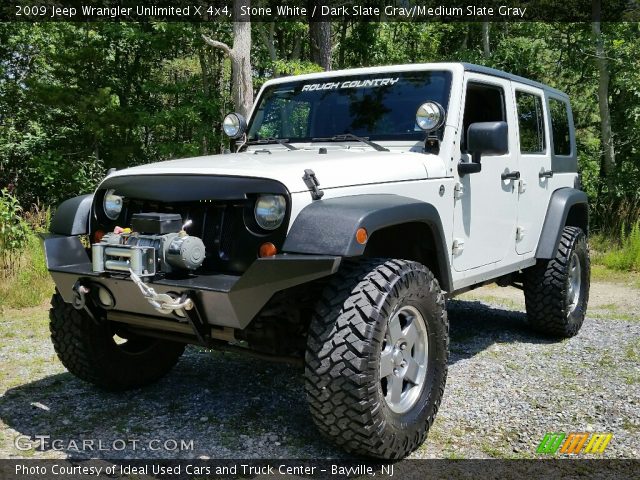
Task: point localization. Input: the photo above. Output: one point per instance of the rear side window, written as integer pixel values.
(530, 122)
(560, 127)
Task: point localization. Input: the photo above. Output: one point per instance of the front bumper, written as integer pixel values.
(224, 300)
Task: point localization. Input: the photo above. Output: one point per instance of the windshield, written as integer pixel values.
(376, 106)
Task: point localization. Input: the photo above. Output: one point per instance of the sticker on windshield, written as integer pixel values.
(376, 82)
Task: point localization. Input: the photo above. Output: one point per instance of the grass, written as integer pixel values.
(623, 255)
(31, 285)
(602, 273)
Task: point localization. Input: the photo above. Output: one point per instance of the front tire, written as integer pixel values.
(556, 291)
(376, 360)
(89, 350)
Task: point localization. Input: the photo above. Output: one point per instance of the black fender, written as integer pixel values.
(72, 216)
(328, 227)
(567, 207)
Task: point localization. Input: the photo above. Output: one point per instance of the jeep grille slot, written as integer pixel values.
(214, 223)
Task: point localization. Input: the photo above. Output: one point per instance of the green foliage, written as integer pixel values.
(30, 284)
(627, 255)
(24, 279)
(14, 233)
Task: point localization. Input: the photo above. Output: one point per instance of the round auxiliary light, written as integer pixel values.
(112, 204)
(234, 125)
(430, 116)
(269, 211)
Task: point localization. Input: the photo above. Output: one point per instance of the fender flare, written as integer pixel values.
(72, 216)
(328, 227)
(558, 216)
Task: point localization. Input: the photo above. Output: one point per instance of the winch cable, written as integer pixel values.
(160, 301)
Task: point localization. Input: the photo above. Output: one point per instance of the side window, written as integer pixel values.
(530, 122)
(560, 127)
(483, 103)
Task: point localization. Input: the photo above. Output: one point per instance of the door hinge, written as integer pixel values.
(520, 233)
(522, 186)
(458, 190)
(458, 246)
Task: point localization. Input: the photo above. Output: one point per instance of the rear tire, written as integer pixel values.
(556, 291)
(376, 360)
(89, 350)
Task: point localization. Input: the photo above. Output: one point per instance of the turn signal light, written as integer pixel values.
(267, 249)
(97, 237)
(362, 236)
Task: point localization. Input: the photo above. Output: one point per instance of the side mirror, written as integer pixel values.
(484, 138)
(234, 125)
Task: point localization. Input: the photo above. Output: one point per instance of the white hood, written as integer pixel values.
(337, 168)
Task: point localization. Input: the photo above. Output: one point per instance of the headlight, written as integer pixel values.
(270, 210)
(112, 204)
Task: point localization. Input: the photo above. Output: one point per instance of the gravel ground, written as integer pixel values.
(507, 387)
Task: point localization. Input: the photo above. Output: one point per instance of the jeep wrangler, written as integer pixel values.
(353, 204)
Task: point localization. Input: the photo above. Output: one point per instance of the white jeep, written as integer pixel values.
(356, 201)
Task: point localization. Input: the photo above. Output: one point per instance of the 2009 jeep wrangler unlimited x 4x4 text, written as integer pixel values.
(356, 201)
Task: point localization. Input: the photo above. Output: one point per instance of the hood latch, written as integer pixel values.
(311, 181)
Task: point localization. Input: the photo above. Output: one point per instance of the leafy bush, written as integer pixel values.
(13, 233)
(627, 255)
(24, 279)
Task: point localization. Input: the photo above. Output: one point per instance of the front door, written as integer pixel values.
(485, 209)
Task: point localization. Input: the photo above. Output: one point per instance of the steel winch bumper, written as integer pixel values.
(222, 300)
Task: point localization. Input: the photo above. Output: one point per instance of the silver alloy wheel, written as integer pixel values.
(575, 283)
(403, 359)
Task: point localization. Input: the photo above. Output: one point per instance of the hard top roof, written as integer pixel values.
(469, 67)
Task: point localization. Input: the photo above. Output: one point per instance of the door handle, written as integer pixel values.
(546, 174)
(515, 175)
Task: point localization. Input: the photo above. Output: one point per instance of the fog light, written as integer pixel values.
(105, 298)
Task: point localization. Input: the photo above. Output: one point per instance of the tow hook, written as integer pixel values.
(79, 296)
(162, 302)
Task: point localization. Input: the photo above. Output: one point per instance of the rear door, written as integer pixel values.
(534, 164)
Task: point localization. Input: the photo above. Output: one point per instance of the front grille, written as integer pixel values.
(214, 223)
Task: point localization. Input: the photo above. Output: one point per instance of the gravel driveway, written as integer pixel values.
(507, 387)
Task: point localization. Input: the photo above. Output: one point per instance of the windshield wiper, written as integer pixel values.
(281, 141)
(351, 136)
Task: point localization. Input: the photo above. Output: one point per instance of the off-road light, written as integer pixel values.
(430, 116)
(112, 204)
(269, 211)
(234, 125)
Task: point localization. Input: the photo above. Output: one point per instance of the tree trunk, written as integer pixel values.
(240, 55)
(606, 135)
(486, 45)
(320, 40)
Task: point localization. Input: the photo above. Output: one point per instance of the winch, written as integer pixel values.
(157, 242)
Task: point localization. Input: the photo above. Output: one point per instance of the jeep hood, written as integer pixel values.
(336, 168)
